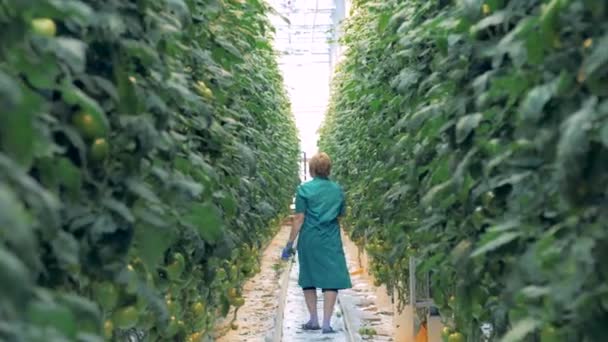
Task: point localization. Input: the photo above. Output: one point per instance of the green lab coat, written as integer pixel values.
(320, 252)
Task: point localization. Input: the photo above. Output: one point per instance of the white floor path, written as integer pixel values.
(265, 296)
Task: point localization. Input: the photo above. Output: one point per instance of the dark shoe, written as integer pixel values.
(310, 326)
(329, 330)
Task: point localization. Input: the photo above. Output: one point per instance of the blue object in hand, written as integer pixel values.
(287, 251)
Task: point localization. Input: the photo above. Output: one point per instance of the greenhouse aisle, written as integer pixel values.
(296, 314)
(257, 320)
(359, 315)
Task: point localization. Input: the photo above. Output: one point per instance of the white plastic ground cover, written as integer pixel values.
(363, 308)
(359, 305)
(296, 314)
(275, 309)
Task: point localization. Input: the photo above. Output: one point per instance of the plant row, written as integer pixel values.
(473, 136)
(147, 153)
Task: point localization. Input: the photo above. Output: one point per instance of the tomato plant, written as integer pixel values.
(147, 153)
(473, 136)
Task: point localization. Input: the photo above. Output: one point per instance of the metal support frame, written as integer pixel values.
(338, 16)
(310, 28)
(426, 301)
(419, 293)
(307, 39)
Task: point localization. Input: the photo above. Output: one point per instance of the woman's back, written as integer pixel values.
(321, 201)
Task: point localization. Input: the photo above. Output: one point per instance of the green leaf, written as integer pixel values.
(84, 309)
(604, 134)
(206, 219)
(521, 330)
(472, 8)
(139, 49)
(17, 229)
(496, 242)
(142, 190)
(229, 204)
(102, 224)
(417, 119)
(51, 314)
(534, 292)
(17, 132)
(73, 9)
(466, 125)
(431, 196)
(119, 208)
(42, 73)
(549, 20)
(71, 51)
(536, 99)
(88, 337)
(10, 92)
(407, 78)
(66, 249)
(229, 47)
(247, 155)
(493, 20)
(192, 188)
(151, 243)
(15, 278)
(383, 21)
(505, 226)
(574, 142)
(68, 175)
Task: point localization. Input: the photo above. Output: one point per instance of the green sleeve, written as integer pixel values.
(300, 202)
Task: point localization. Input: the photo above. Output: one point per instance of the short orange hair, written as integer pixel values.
(320, 165)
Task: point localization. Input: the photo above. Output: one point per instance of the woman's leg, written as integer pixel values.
(310, 295)
(329, 301)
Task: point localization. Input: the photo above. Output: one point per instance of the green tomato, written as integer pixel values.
(239, 301)
(106, 295)
(125, 318)
(172, 328)
(198, 308)
(548, 334)
(221, 274)
(132, 281)
(524, 144)
(99, 149)
(44, 27)
(203, 90)
(108, 329)
(493, 146)
(234, 271)
(452, 302)
(488, 198)
(456, 337)
(174, 271)
(173, 307)
(478, 216)
(179, 259)
(90, 126)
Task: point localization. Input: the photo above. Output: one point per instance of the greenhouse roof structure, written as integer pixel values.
(306, 41)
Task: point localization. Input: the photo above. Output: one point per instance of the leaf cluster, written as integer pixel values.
(147, 153)
(473, 135)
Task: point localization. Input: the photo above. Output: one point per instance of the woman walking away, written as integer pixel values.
(319, 205)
